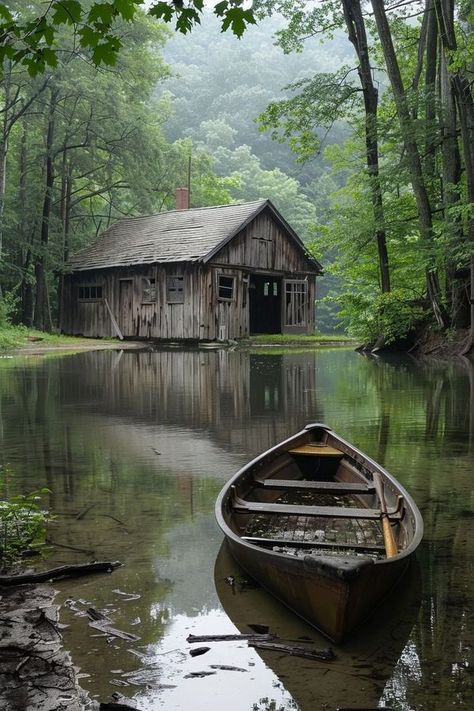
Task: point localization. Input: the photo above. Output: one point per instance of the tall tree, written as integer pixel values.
(358, 36)
(413, 156)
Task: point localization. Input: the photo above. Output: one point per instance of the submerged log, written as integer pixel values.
(229, 637)
(324, 655)
(104, 626)
(63, 571)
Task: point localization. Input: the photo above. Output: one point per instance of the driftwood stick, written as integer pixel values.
(49, 542)
(64, 571)
(85, 511)
(104, 626)
(324, 655)
(229, 637)
(117, 520)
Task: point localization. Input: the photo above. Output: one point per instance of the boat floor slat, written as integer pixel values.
(239, 504)
(328, 487)
(311, 544)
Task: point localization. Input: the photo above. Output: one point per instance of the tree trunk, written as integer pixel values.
(66, 190)
(357, 35)
(451, 178)
(430, 90)
(413, 158)
(42, 318)
(3, 152)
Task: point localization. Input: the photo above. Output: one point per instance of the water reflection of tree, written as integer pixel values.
(433, 413)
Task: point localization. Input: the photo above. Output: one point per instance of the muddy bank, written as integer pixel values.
(38, 347)
(35, 671)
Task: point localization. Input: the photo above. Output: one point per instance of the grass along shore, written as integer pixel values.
(285, 339)
(19, 339)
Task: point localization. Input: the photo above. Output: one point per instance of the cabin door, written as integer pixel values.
(125, 315)
(265, 304)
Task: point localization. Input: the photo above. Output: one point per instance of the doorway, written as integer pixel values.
(265, 304)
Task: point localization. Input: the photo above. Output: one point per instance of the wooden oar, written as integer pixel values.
(388, 539)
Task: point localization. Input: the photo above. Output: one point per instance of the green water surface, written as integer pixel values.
(135, 446)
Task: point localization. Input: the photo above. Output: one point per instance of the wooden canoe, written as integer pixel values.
(321, 526)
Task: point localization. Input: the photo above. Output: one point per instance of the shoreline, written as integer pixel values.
(36, 672)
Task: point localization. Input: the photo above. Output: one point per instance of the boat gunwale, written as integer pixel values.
(358, 456)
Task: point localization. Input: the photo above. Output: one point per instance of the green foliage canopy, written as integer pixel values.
(33, 40)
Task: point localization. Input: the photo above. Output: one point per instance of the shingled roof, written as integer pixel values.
(174, 236)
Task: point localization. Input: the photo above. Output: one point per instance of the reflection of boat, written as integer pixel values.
(358, 675)
(321, 526)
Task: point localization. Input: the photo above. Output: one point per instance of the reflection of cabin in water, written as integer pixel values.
(212, 273)
(228, 401)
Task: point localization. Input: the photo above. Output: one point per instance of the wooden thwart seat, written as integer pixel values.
(326, 487)
(311, 544)
(243, 506)
(316, 449)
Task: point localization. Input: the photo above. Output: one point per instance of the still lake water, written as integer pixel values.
(135, 446)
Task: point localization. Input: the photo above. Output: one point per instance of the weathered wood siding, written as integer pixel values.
(262, 247)
(201, 316)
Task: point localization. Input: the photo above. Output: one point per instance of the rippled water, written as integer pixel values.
(134, 447)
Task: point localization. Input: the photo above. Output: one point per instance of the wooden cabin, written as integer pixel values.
(211, 273)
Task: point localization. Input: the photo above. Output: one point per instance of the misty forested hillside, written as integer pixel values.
(220, 85)
(218, 88)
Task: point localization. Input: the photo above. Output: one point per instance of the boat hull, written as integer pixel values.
(333, 602)
(333, 590)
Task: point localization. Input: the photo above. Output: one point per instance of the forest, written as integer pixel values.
(355, 118)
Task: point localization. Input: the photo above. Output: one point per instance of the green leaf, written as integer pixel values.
(89, 36)
(126, 8)
(102, 12)
(49, 56)
(5, 13)
(220, 8)
(187, 19)
(237, 19)
(66, 12)
(7, 51)
(162, 11)
(34, 65)
(106, 52)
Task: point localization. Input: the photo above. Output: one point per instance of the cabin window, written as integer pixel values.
(270, 288)
(296, 302)
(225, 287)
(175, 289)
(89, 293)
(148, 290)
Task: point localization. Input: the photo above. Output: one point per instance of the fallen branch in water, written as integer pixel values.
(229, 637)
(64, 571)
(85, 511)
(87, 551)
(324, 655)
(104, 626)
